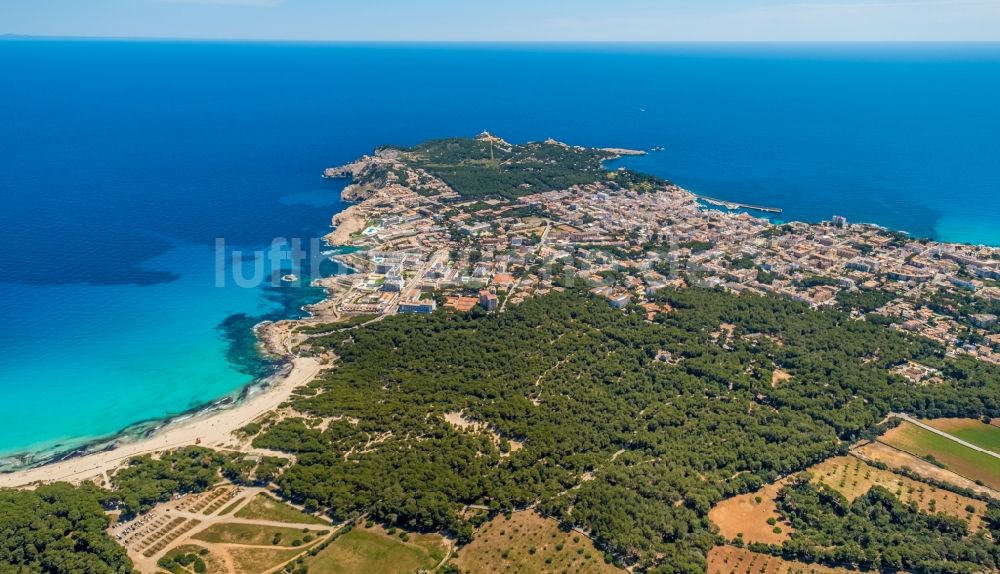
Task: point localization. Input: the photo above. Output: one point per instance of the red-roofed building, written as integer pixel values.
(503, 281)
(488, 300)
(463, 304)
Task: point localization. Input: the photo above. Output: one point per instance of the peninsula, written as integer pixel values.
(512, 214)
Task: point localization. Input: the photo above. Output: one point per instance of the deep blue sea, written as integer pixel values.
(122, 163)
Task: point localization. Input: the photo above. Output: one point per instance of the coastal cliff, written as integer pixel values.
(347, 223)
(368, 174)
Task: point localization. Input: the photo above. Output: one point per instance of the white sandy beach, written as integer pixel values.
(213, 429)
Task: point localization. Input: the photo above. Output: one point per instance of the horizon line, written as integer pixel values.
(184, 39)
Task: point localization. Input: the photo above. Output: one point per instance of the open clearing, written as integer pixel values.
(972, 431)
(235, 558)
(733, 560)
(464, 423)
(368, 550)
(249, 560)
(263, 507)
(778, 377)
(529, 543)
(962, 460)
(253, 534)
(854, 478)
(201, 528)
(744, 517)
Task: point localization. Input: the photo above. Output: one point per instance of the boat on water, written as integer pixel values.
(290, 278)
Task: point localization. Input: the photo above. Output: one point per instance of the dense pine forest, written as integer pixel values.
(630, 429)
(477, 168)
(57, 529)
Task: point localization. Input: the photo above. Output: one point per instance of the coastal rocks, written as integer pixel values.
(616, 152)
(356, 192)
(623, 151)
(277, 338)
(368, 174)
(347, 170)
(366, 177)
(348, 223)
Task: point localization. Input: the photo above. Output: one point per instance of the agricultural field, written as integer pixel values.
(733, 560)
(529, 543)
(962, 460)
(752, 517)
(366, 550)
(897, 459)
(854, 478)
(264, 507)
(973, 431)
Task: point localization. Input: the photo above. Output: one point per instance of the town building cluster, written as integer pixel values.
(422, 246)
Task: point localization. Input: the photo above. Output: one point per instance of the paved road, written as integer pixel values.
(927, 427)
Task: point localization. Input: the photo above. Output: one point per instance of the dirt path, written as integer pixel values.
(230, 519)
(170, 512)
(447, 555)
(148, 564)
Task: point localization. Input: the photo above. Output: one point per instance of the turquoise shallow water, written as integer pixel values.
(123, 354)
(122, 162)
(118, 343)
